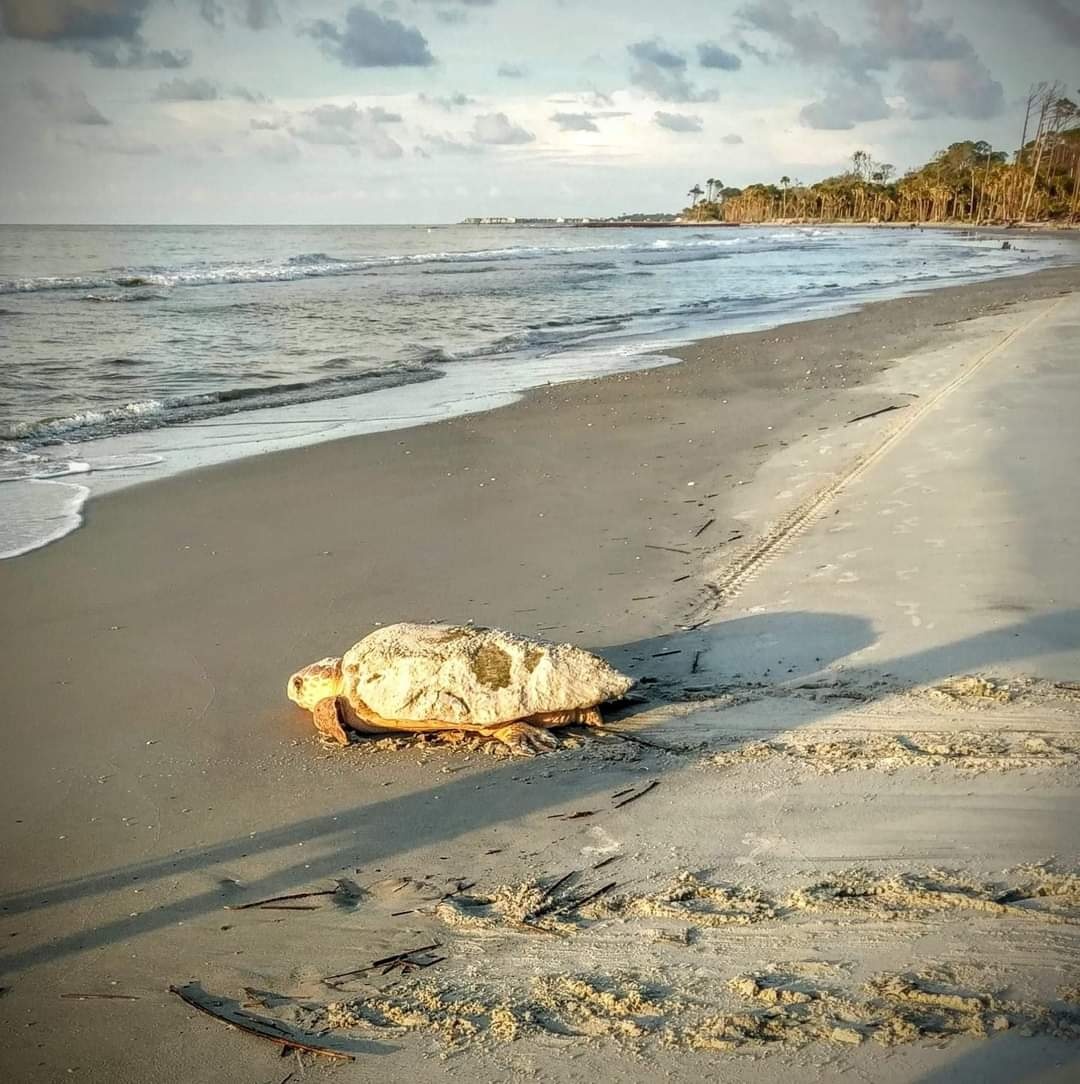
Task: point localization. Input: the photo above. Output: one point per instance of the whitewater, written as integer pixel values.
(130, 353)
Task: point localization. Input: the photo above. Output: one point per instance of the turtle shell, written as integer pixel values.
(472, 676)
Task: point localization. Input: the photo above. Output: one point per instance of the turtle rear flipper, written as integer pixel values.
(329, 719)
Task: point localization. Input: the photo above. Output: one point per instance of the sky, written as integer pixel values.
(323, 111)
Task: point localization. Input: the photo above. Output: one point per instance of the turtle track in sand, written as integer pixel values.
(1033, 893)
(774, 1009)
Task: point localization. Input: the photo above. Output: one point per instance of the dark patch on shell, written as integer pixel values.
(491, 665)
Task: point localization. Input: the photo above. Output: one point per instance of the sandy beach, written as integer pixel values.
(710, 528)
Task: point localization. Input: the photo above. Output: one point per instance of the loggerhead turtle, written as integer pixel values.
(424, 678)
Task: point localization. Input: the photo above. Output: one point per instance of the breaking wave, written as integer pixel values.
(147, 280)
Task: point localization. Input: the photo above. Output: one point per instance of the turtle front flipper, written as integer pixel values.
(524, 740)
(329, 716)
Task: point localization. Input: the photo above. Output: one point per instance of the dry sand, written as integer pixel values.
(154, 776)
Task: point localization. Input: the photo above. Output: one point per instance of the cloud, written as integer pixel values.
(661, 72)
(498, 130)
(113, 143)
(711, 55)
(445, 144)
(350, 126)
(370, 40)
(678, 122)
(279, 149)
(952, 88)
(261, 14)
(449, 102)
(71, 107)
(512, 71)
(263, 124)
(203, 90)
(732, 139)
(108, 31)
(575, 122)
(253, 14)
(213, 12)
(938, 69)
(846, 102)
(1063, 20)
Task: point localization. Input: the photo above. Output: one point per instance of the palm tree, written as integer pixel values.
(695, 194)
(784, 182)
(709, 184)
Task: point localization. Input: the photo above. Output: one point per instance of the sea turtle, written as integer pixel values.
(424, 678)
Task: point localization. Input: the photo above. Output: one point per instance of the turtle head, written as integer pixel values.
(315, 682)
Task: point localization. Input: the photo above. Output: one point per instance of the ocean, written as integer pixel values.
(131, 352)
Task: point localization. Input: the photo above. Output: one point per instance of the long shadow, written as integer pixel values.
(372, 833)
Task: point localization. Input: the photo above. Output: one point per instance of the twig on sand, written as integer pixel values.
(704, 527)
(664, 654)
(696, 664)
(257, 1027)
(607, 861)
(640, 794)
(556, 885)
(622, 736)
(99, 997)
(875, 413)
(397, 957)
(670, 549)
(574, 905)
(282, 899)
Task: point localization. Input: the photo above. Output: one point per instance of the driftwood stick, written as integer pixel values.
(704, 527)
(99, 997)
(637, 741)
(285, 1041)
(397, 956)
(640, 794)
(670, 549)
(574, 905)
(553, 888)
(282, 899)
(875, 413)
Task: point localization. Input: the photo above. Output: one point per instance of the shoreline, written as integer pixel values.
(150, 652)
(47, 509)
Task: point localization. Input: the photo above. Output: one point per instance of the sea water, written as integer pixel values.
(127, 353)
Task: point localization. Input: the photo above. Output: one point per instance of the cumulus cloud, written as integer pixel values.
(1062, 17)
(498, 130)
(361, 130)
(938, 69)
(371, 40)
(108, 31)
(732, 139)
(279, 149)
(113, 143)
(952, 88)
(678, 122)
(661, 72)
(710, 55)
(575, 122)
(449, 102)
(254, 14)
(70, 106)
(203, 90)
(846, 102)
(446, 144)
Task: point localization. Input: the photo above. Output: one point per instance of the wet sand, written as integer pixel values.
(153, 773)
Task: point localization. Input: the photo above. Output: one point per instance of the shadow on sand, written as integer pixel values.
(792, 646)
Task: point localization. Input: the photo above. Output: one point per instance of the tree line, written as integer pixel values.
(969, 182)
